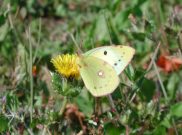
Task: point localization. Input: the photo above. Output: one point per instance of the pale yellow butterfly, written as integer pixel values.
(100, 67)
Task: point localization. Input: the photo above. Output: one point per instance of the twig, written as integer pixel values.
(9, 16)
(97, 108)
(44, 131)
(180, 41)
(154, 56)
(76, 44)
(49, 133)
(160, 80)
(30, 131)
(111, 102)
(164, 92)
(174, 125)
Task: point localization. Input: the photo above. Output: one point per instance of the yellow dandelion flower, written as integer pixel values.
(66, 65)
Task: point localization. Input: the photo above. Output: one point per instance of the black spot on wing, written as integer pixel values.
(105, 52)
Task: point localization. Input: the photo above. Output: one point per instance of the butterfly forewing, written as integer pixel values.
(117, 56)
(99, 77)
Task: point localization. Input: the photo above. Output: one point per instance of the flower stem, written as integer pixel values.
(65, 100)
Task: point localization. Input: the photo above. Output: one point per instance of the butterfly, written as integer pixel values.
(100, 67)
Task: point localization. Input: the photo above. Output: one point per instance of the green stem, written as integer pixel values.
(65, 100)
(30, 74)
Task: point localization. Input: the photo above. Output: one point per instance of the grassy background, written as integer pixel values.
(32, 32)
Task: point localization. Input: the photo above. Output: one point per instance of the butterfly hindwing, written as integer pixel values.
(117, 56)
(99, 77)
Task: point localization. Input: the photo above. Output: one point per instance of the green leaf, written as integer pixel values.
(139, 36)
(12, 101)
(85, 103)
(176, 109)
(139, 73)
(2, 19)
(3, 31)
(3, 123)
(172, 85)
(111, 129)
(112, 31)
(101, 31)
(166, 122)
(60, 10)
(147, 89)
(160, 130)
(121, 19)
(129, 71)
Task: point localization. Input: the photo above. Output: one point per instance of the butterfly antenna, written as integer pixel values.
(76, 44)
(108, 30)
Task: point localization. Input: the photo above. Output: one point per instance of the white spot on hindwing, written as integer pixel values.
(100, 73)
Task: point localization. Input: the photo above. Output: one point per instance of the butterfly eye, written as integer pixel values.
(105, 52)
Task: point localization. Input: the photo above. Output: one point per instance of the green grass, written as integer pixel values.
(147, 101)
